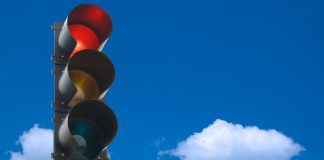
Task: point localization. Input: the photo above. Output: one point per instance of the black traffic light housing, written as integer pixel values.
(89, 72)
(85, 132)
(83, 124)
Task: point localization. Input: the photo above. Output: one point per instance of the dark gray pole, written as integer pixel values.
(61, 110)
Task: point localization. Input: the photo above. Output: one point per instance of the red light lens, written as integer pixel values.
(85, 38)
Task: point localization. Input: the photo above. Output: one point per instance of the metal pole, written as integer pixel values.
(61, 110)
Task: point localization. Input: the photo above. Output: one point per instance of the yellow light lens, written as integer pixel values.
(86, 85)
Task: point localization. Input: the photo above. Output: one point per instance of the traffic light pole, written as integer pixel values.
(61, 110)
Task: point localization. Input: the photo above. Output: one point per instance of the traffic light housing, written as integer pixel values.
(84, 124)
(86, 27)
(87, 76)
(85, 132)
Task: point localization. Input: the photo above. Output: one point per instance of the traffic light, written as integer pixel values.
(84, 124)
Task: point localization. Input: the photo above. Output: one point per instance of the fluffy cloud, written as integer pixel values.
(37, 144)
(226, 141)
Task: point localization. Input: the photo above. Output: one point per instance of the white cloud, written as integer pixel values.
(226, 141)
(37, 144)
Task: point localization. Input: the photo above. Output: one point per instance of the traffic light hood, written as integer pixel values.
(87, 76)
(85, 20)
(87, 130)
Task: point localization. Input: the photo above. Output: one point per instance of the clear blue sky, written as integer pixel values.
(180, 65)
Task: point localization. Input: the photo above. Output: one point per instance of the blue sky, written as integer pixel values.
(180, 65)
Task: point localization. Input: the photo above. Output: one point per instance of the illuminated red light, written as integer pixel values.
(90, 26)
(85, 38)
